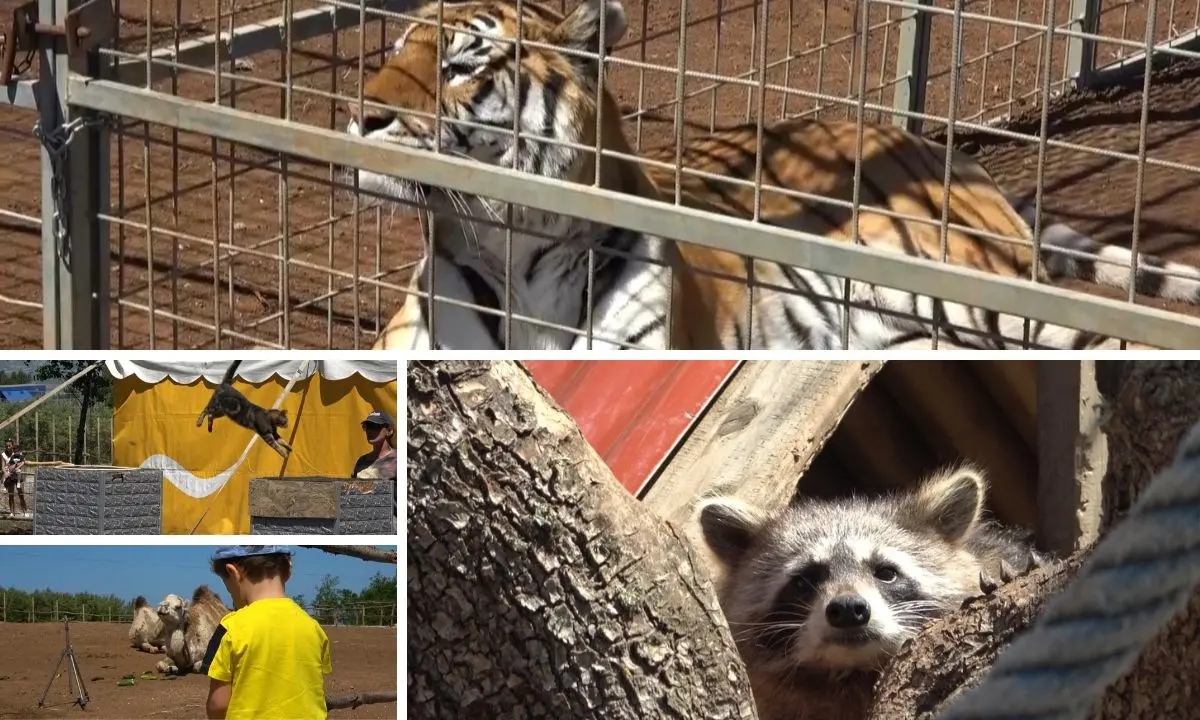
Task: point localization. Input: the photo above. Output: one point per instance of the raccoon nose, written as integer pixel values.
(848, 611)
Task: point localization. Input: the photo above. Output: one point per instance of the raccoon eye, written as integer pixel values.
(812, 575)
(887, 573)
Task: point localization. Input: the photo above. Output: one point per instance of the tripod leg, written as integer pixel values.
(42, 701)
(81, 694)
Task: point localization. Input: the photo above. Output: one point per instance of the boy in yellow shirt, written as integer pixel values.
(267, 658)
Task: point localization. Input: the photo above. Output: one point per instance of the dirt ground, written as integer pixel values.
(15, 526)
(364, 660)
(308, 291)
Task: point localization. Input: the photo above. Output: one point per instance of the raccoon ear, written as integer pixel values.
(950, 503)
(729, 527)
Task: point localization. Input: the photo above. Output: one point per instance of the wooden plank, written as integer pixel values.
(760, 434)
(952, 408)
(1013, 385)
(1072, 455)
(877, 443)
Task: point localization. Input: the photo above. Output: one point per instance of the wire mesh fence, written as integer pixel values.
(234, 216)
(51, 432)
(24, 607)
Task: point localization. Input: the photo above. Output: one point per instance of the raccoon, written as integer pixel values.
(820, 594)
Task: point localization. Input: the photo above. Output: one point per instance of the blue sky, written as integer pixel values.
(155, 571)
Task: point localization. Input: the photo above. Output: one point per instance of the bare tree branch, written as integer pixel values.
(349, 702)
(362, 552)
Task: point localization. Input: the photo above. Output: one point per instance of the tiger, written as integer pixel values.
(651, 292)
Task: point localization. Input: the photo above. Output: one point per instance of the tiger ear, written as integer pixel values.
(581, 28)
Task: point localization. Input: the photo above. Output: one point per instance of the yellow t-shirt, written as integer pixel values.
(276, 656)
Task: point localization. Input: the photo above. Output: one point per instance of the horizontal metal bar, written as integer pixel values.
(20, 217)
(250, 39)
(21, 94)
(1019, 297)
(1135, 64)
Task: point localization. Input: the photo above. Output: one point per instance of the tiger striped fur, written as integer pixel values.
(556, 96)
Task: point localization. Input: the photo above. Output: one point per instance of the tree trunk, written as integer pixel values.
(81, 428)
(537, 586)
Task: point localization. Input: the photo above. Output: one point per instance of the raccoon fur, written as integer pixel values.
(820, 594)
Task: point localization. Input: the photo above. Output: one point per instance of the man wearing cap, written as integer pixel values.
(268, 658)
(382, 436)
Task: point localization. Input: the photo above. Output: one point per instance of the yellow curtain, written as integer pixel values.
(155, 425)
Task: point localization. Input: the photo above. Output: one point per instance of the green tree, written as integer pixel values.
(329, 600)
(49, 605)
(15, 377)
(95, 387)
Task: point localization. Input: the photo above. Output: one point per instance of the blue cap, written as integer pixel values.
(237, 552)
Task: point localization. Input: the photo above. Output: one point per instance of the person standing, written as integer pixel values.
(382, 436)
(14, 463)
(381, 461)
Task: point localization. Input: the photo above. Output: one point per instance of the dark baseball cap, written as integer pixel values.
(378, 417)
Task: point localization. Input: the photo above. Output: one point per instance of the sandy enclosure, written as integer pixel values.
(364, 660)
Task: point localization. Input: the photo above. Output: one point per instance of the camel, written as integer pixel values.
(189, 626)
(146, 631)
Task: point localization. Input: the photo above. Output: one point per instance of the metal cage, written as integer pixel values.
(194, 190)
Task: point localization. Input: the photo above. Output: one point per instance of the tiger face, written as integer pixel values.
(481, 91)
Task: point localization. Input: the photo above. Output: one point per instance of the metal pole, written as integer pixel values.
(74, 193)
(912, 65)
(1081, 52)
(53, 269)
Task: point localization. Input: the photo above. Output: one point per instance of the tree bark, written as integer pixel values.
(953, 653)
(538, 587)
(84, 406)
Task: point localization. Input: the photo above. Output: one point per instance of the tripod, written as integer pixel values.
(74, 677)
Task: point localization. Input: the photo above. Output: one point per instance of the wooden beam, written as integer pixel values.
(1072, 455)
(760, 435)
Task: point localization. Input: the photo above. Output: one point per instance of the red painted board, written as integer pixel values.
(633, 412)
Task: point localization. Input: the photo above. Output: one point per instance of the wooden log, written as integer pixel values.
(349, 702)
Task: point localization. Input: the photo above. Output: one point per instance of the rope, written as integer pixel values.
(1136, 581)
(291, 383)
(50, 393)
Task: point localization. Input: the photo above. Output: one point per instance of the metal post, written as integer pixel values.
(74, 193)
(1081, 52)
(912, 65)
